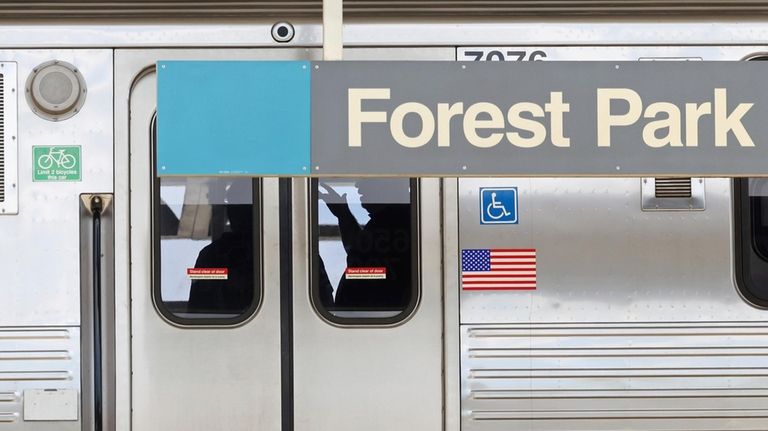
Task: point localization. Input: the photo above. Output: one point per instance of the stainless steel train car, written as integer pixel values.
(640, 301)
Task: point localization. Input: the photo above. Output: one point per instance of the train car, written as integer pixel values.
(131, 300)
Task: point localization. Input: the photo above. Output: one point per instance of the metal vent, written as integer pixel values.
(673, 187)
(670, 194)
(9, 190)
(2, 138)
(175, 9)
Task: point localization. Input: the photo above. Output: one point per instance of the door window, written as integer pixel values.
(206, 249)
(365, 249)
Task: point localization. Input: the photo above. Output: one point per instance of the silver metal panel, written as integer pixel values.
(396, 381)
(448, 33)
(9, 140)
(703, 376)
(167, 362)
(47, 226)
(51, 405)
(600, 258)
(37, 359)
(663, 52)
(635, 323)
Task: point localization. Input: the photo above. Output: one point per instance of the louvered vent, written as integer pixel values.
(2, 138)
(36, 9)
(673, 187)
(672, 194)
(9, 160)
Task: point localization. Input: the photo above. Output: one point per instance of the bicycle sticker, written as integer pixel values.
(498, 205)
(57, 163)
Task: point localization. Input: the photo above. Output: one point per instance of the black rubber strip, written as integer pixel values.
(96, 207)
(286, 304)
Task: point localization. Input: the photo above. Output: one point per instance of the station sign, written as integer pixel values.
(463, 118)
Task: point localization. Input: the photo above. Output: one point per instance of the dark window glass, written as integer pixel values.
(751, 199)
(365, 249)
(206, 249)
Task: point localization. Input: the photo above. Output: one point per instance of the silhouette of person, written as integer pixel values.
(326, 288)
(233, 250)
(384, 242)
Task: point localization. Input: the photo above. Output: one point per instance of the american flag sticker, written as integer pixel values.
(498, 269)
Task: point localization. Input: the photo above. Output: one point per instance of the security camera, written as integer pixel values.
(282, 32)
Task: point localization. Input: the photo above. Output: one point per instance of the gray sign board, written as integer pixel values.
(539, 118)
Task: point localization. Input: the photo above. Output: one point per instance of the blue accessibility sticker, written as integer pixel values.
(498, 205)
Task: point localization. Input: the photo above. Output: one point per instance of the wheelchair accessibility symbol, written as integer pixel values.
(498, 205)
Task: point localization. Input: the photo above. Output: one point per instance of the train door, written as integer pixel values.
(205, 316)
(603, 306)
(368, 296)
(275, 351)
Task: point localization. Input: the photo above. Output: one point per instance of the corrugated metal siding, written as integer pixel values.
(569, 377)
(367, 8)
(36, 358)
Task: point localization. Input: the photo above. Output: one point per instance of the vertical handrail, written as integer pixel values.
(96, 209)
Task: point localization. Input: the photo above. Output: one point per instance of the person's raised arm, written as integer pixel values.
(339, 207)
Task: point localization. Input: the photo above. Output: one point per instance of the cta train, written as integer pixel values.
(308, 303)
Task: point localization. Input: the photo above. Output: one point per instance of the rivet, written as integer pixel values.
(317, 66)
(617, 67)
(618, 168)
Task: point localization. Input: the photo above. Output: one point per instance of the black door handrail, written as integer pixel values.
(97, 206)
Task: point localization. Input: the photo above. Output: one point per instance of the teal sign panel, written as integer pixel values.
(233, 118)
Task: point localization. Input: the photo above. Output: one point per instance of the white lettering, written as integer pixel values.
(692, 114)
(516, 120)
(556, 109)
(472, 124)
(725, 123)
(604, 118)
(357, 116)
(445, 112)
(672, 123)
(427, 125)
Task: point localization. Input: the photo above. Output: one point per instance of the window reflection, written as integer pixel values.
(207, 247)
(365, 263)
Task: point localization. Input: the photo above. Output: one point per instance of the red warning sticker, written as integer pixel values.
(207, 273)
(366, 273)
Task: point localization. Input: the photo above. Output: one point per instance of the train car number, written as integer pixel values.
(500, 54)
